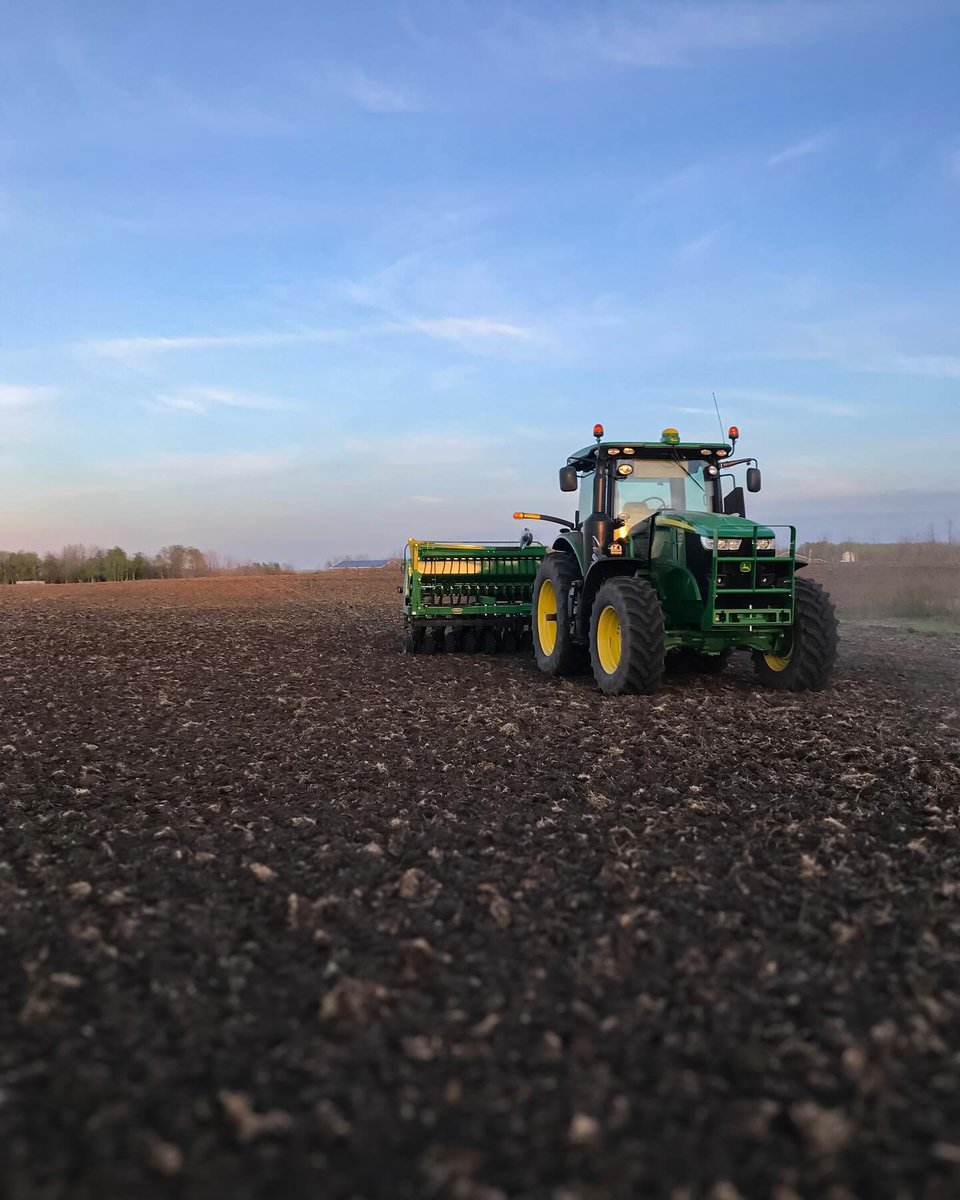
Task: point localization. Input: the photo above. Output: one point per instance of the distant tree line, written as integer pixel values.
(927, 550)
(93, 564)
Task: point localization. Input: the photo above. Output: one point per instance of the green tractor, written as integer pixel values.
(660, 566)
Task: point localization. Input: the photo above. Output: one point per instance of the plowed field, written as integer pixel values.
(284, 913)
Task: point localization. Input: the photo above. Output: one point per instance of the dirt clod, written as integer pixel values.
(250, 1124)
(827, 1129)
(352, 1000)
(164, 1157)
(584, 1130)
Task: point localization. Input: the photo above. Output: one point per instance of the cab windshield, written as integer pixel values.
(656, 484)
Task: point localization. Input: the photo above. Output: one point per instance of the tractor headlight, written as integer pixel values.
(721, 543)
(766, 543)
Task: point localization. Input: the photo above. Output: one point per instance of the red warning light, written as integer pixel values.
(733, 433)
(598, 431)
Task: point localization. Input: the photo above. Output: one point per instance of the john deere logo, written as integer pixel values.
(745, 568)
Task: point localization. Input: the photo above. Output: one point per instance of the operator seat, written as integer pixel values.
(635, 512)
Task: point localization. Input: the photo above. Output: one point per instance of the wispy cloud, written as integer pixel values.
(879, 342)
(668, 187)
(27, 418)
(153, 106)
(793, 400)
(803, 149)
(665, 33)
(133, 350)
(221, 114)
(424, 294)
(212, 465)
(370, 94)
(932, 366)
(466, 329)
(696, 246)
(15, 395)
(446, 449)
(202, 399)
(24, 418)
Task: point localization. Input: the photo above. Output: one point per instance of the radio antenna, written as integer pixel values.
(719, 418)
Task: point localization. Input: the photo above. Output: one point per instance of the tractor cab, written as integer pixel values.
(628, 488)
(632, 481)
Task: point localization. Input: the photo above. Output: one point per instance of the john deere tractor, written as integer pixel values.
(662, 564)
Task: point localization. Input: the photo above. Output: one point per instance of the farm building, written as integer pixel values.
(359, 562)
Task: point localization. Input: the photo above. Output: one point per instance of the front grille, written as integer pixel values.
(764, 574)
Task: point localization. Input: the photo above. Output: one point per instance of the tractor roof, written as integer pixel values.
(665, 450)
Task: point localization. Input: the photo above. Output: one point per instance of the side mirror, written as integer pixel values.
(753, 479)
(568, 479)
(734, 504)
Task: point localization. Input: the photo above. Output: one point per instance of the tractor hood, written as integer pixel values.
(711, 525)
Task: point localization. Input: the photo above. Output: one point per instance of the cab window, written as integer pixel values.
(656, 485)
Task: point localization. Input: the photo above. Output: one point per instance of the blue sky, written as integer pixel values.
(298, 279)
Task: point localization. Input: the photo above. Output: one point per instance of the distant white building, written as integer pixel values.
(848, 556)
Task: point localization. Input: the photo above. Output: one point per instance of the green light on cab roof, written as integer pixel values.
(670, 437)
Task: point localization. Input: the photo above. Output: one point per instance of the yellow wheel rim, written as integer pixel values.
(547, 617)
(609, 645)
(777, 662)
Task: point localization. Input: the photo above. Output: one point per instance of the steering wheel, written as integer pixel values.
(655, 500)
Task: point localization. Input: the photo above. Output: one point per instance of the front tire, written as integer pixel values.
(807, 664)
(627, 637)
(556, 652)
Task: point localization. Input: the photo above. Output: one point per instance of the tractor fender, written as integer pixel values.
(599, 573)
(571, 543)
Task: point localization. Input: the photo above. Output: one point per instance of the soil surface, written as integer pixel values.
(284, 913)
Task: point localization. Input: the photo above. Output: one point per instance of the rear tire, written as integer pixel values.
(809, 662)
(627, 637)
(557, 653)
